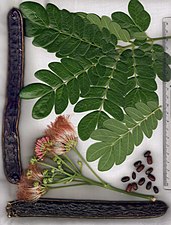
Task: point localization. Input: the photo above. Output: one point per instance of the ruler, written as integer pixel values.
(167, 111)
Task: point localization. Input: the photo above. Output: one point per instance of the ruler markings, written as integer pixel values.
(167, 112)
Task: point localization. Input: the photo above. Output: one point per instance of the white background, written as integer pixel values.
(31, 129)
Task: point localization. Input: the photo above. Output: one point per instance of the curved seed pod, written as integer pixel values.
(10, 139)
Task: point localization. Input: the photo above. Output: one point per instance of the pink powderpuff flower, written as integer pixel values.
(29, 190)
(62, 134)
(34, 173)
(42, 146)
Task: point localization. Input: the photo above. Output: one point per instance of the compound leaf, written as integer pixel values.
(116, 141)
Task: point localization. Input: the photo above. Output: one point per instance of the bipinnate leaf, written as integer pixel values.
(118, 138)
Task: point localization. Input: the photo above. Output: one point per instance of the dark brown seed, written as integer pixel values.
(155, 189)
(125, 179)
(140, 168)
(134, 186)
(149, 185)
(149, 170)
(149, 160)
(137, 163)
(147, 153)
(129, 188)
(133, 175)
(151, 177)
(141, 181)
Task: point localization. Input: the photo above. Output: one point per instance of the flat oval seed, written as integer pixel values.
(141, 181)
(149, 170)
(147, 153)
(151, 177)
(137, 163)
(125, 179)
(140, 168)
(129, 188)
(133, 175)
(148, 185)
(149, 160)
(155, 189)
(134, 186)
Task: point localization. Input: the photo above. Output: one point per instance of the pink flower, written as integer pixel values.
(34, 173)
(62, 134)
(42, 145)
(29, 190)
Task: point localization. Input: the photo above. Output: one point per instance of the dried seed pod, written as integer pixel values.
(134, 186)
(155, 189)
(149, 159)
(137, 163)
(148, 185)
(129, 187)
(149, 170)
(151, 177)
(141, 181)
(133, 175)
(140, 168)
(125, 179)
(10, 132)
(147, 153)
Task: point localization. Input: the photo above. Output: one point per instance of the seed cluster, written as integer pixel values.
(147, 179)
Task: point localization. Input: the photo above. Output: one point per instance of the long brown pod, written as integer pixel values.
(69, 208)
(10, 139)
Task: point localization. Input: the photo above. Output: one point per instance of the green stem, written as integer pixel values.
(50, 186)
(66, 164)
(159, 38)
(112, 188)
(72, 164)
(81, 157)
(47, 165)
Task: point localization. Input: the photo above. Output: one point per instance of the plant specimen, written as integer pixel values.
(108, 68)
(51, 167)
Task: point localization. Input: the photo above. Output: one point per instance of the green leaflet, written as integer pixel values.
(140, 17)
(35, 13)
(43, 106)
(34, 90)
(117, 141)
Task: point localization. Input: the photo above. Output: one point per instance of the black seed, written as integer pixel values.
(151, 177)
(155, 189)
(147, 153)
(129, 188)
(133, 175)
(134, 186)
(141, 181)
(149, 185)
(149, 160)
(125, 179)
(137, 163)
(140, 168)
(149, 170)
